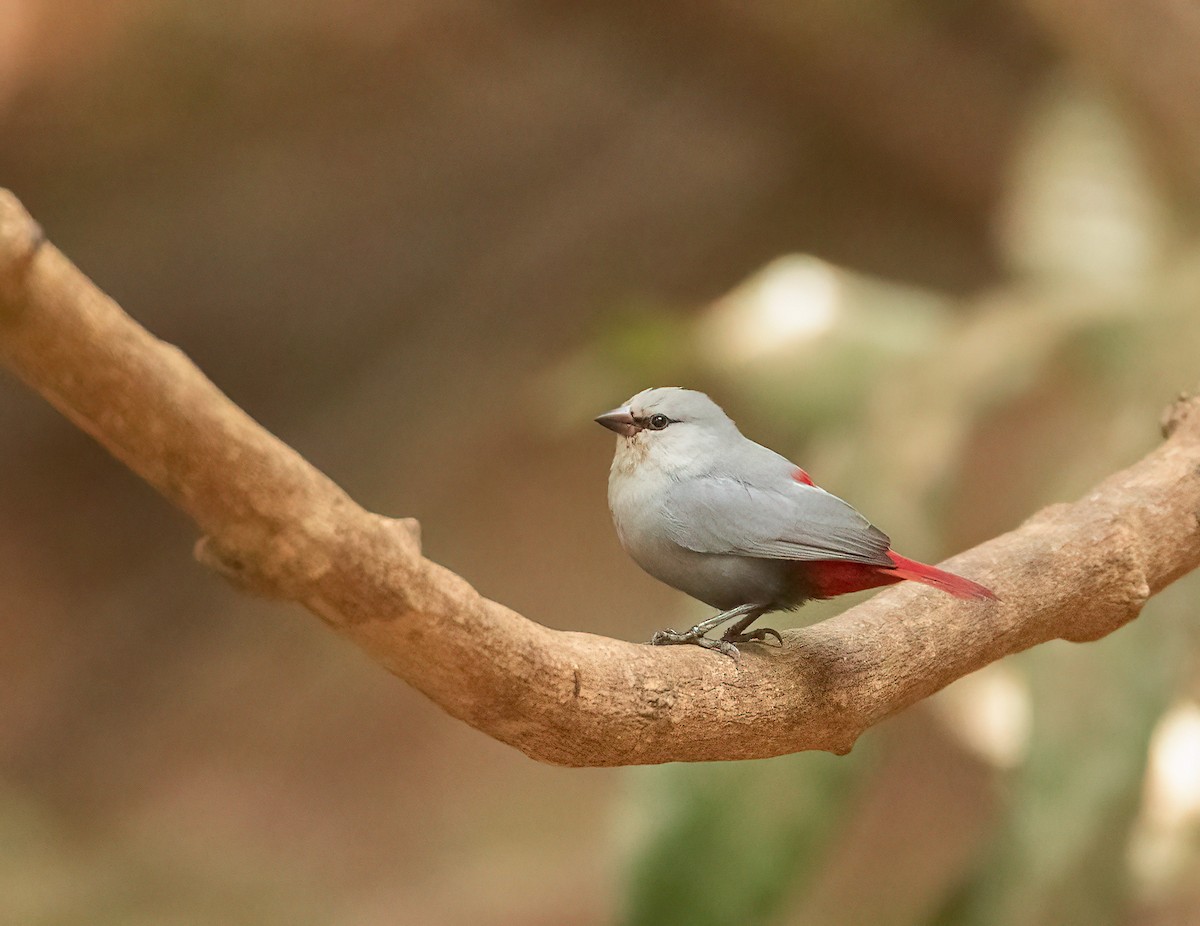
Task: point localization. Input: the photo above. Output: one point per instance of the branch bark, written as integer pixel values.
(275, 525)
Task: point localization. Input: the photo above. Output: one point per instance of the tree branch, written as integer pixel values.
(277, 526)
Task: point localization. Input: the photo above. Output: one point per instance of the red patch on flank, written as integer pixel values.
(802, 477)
(830, 578)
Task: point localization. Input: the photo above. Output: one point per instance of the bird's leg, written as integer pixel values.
(745, 614)
(737, 633)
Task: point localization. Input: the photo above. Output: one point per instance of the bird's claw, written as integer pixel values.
(761, 635)
(743, 614)
(695, 637)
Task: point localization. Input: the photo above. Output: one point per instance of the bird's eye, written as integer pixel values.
(658, 422)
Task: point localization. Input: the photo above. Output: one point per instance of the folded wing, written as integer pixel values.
(795, 522)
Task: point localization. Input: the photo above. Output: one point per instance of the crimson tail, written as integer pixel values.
(939, 578)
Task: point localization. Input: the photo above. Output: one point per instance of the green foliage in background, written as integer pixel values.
(730, 839)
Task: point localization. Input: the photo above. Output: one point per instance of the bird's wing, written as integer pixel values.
(795, 522)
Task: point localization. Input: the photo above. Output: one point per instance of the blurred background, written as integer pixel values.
(945, 255)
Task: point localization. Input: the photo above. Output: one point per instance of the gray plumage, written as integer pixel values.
(723, 514)
(708, 511)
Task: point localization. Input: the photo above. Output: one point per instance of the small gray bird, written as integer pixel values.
(737, 526)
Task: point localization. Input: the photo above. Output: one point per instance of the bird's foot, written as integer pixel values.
(743, 614)
(761, 635)
(695, 637)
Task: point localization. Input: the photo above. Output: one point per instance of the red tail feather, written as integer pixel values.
(939, 578)
(829, 579)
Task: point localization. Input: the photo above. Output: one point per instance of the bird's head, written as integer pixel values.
(668, 428)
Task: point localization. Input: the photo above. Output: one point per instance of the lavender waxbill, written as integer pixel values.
(737, 526)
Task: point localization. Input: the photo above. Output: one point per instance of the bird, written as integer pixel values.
(737, 526)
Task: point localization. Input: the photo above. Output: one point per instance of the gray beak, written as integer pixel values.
(619, 420)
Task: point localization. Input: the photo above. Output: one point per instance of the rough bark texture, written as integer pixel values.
(277, 526)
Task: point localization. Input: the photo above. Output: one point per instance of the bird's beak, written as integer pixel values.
(619, 420)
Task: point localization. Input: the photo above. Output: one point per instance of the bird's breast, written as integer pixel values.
(721, 580)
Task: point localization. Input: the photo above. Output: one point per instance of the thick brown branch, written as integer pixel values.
(275, 524)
